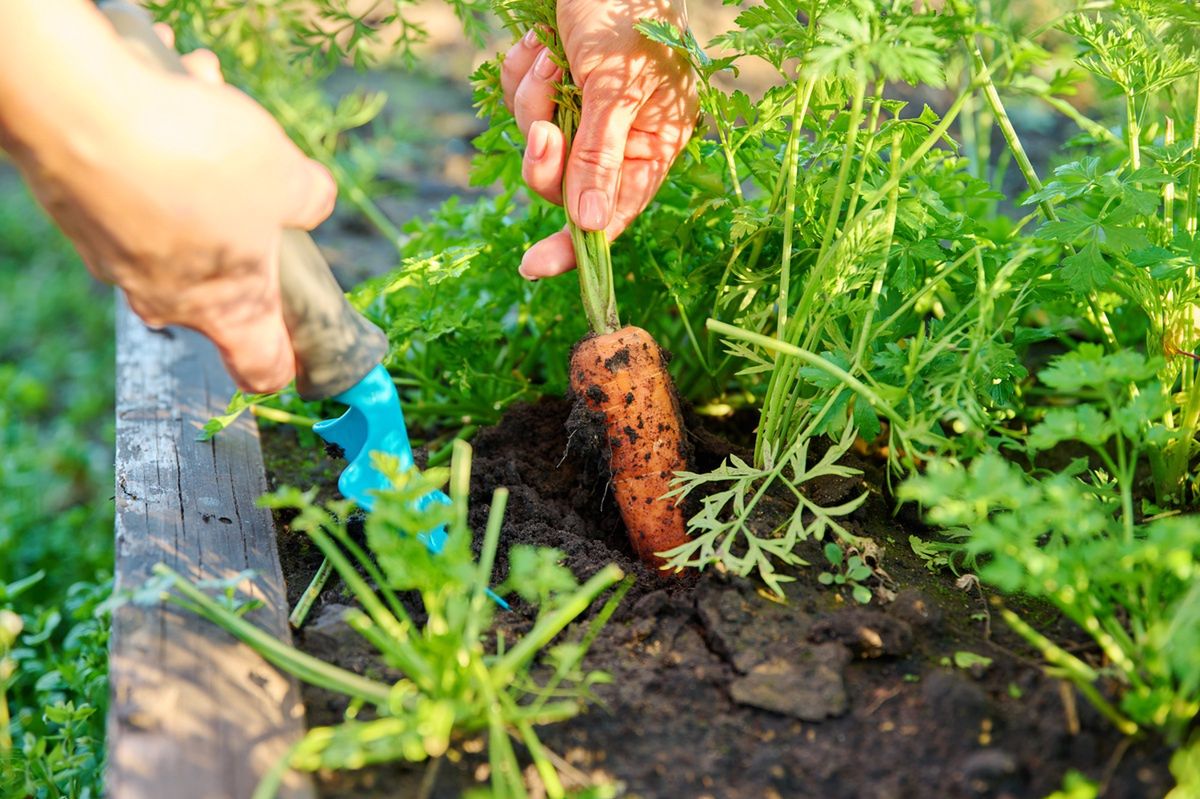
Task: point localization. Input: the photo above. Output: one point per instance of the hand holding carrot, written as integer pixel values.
(639, 109)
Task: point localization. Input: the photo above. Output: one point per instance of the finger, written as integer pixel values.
(655, 144)
(610, 106)
(244, 319)
(534, 98)
(166, 33)
(545, 154)
(310, 193)
(640, 180)
(257, 352)
(148, 312)
(204, 66)
(549, 257)
(517, 62)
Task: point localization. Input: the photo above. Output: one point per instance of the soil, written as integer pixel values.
(721, 690)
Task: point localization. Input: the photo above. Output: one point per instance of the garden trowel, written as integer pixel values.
(338, 352)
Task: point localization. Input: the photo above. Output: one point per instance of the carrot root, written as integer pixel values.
(623, 377)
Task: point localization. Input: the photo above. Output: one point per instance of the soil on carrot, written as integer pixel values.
(719, 690)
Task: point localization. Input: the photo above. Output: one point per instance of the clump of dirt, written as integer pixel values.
(721, 690)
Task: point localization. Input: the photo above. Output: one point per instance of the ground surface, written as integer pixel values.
(718, 691)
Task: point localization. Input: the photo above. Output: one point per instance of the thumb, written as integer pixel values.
(309, 193)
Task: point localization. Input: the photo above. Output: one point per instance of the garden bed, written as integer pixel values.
(720, 690)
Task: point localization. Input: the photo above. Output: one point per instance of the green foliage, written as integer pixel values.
(1076, 786)
(732, 527)
(1185, 768)
(452, 684)
(1132, 587)
(54, 665)
(846, 571)
(450, 296)
(56, 395)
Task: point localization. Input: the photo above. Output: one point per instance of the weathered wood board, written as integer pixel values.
(194, 714)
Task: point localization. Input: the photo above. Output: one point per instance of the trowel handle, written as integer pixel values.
(335, 345)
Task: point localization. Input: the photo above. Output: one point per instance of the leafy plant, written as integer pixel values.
(846, 571)
(1129, 586)
(55, 511)
(865, 293)
(730, 525)
(452, 685)
(54, 662)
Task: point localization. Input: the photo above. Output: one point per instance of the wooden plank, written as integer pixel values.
(194, 714)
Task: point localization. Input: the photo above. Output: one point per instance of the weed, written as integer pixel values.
(452, 685)
(846, 571)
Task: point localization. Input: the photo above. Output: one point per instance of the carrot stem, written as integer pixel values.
(593, 257)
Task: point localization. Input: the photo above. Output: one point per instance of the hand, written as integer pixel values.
(178, 190)
(639, 109)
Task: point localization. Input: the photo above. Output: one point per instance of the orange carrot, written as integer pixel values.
(623, 375)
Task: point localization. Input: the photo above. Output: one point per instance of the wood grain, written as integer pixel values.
(194, 714)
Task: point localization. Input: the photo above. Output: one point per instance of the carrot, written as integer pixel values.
(620, 372)
(623, 376)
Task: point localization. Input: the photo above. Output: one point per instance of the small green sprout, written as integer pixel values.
(845, 571)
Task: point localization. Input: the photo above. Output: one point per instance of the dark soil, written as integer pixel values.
(720, 690)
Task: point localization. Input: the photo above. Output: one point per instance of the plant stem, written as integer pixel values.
(545, 769)
(839, 192)
(1080, 673)
(305, 667)
(282, 416)
(552, 624)
(593, 257)
(398, 634)
(487, 558)
(442, 456)
(791, 167)
(983, 75)
(809, 359)
(1133, 131)
(1194, 169)
(864, 332)
(719, 122)
(304, 605)
(1168, 191)
(1181, 452)
(5, 721)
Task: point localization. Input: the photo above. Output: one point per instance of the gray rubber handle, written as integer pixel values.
(335, 345)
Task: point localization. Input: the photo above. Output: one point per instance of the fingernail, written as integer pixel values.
(521, 271)
(593, 209)
(538, 139)
(530, 39)
(543, 67)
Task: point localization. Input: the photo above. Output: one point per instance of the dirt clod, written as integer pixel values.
(866, 632)
(808, 686)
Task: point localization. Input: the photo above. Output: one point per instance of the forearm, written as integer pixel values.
(61, 66)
